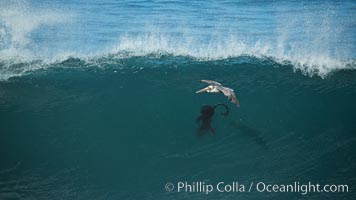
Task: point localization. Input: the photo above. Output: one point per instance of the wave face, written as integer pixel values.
(98, 129)
(316, 37)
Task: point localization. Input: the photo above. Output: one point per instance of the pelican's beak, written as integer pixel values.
(203, 90)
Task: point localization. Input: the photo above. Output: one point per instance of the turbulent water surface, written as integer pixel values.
(97, 98)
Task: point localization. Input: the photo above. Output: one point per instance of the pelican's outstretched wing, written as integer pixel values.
(211, 82)
(230, 95)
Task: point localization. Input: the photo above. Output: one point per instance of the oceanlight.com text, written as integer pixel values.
(261, 187)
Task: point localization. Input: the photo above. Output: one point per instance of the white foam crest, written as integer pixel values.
(19, 66)
(17, 21)
(321, 65)
(314, 40)
(303, 57)
(149, 43)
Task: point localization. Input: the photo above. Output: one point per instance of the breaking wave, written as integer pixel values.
(316, 39)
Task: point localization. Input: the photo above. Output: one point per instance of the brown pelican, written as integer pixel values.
(215, 87)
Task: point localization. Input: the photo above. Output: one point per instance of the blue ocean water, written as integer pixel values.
(97, 98)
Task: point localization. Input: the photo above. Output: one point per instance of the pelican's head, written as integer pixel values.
(210, 88)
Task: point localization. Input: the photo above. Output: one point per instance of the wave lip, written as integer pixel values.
(309, 61)
(322, 66)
